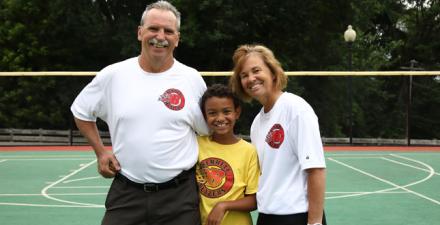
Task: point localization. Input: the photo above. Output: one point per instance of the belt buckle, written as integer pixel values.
(151, 187)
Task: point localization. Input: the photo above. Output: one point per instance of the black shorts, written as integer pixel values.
(291, 219)
(129, 203)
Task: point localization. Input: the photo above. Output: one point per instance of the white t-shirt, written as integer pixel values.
(151, 117)
(288, 141)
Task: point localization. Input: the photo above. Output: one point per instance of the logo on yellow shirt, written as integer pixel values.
(215, 177)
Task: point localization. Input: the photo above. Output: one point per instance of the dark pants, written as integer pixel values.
(291, 219)
(129, 204)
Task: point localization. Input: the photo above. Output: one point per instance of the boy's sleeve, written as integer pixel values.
(253, 173)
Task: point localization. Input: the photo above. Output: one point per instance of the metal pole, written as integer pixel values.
(408, 105)
(409, 81)
(408, 112)
(350, 84)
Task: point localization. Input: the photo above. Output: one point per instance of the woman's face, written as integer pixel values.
(256, 78)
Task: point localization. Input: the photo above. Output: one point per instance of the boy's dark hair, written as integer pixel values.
(220, 91)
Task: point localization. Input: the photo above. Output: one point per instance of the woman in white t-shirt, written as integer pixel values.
(286, 134)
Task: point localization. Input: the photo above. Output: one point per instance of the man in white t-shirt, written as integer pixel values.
(150, 104)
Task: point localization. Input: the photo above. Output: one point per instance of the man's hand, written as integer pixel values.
(108, 165)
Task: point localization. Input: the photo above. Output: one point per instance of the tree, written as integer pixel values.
(41, 36)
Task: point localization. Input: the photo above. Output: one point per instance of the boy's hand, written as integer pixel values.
(216, 215)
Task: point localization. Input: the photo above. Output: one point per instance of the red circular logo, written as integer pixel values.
(173, 99)
(214, 177)
(275, 137)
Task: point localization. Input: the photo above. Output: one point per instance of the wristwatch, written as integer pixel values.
(314, 224)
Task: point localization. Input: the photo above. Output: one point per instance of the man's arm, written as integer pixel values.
(316, 194)
(108, 165)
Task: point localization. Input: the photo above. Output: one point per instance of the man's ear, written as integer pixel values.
(178, 39)
(139, 33)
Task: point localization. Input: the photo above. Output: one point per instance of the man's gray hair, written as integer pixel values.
(162, 5)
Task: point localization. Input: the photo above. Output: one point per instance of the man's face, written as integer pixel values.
(159, 35)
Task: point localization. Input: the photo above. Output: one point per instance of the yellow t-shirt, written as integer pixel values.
(226, 172)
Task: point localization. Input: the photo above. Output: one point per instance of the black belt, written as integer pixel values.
(154, 187)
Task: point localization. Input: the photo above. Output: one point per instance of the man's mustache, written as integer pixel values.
(158, 44)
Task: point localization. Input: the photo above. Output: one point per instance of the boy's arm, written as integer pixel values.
(247, 204)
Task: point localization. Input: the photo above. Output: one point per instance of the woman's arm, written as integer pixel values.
(315, 193)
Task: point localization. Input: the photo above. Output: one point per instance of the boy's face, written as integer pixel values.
(221, 114)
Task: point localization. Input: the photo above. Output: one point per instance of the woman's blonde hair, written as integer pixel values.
(239, 58)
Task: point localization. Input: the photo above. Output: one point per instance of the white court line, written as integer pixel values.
(361, 154)
(365, 192)
(431, 173)
(59, 206)
(46, 156)
(360, 157)
(355, 154)
(404, 164)
(420, 153)
(45, 194)
(3, 160)
(51, 159)
(81, 179)
(64, 194)
(81, 187)
(382, 156)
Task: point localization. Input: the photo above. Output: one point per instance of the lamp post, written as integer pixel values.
(350, 37)
(412, 67)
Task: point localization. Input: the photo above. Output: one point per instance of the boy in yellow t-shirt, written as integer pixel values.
(227, 168)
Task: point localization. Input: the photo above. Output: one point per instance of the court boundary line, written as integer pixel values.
(383, 148)
(58, 194)
(100, 206)
(45, 189)
(49, 148)
(431, 173)
(355, 194)
(45, 194)
(51, 185)
(327, 148)
(81, 179)
(404, 164)
(47, 205)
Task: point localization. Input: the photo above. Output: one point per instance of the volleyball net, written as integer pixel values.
(228, 73)
(353, 107)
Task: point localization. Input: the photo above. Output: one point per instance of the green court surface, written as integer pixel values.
(363, 188)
